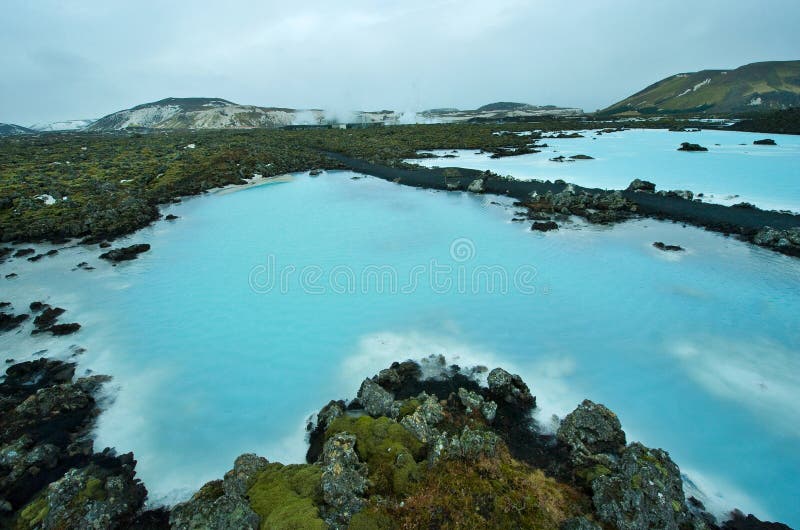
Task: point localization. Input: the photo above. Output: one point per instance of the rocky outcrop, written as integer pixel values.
(643, 490)
(641, 185)
(459, 455)
(377, 401)
(505, 387)
(599, 208)
(222, 504)
(100, 496)
(125, 253)
(786, 241)
(49, 475)
(344, 480)
(686, 146)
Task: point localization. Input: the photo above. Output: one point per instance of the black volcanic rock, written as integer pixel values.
(641, 185)
(544, 226)
(765, 141)
(125, 253)
(686, 146)
(661, 246)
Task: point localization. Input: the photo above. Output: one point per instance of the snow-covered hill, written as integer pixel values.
(67, 125)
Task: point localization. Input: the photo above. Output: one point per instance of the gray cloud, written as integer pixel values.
(87, 59)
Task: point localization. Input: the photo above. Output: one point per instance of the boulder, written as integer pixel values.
(377, 401)
(509, 388)
(591, 429)
(641, 185)
(644, 490)
(125, 253)
(212, 509)
(344, 479)
(544, 226)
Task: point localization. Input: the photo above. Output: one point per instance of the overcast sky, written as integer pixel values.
(87, 58)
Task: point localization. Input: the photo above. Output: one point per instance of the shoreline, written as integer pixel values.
(438, 429)
(745, 222)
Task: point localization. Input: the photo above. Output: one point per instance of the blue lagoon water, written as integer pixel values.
(733, 170)
(213, 355)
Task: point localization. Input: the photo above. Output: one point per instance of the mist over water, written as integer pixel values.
(696, 351)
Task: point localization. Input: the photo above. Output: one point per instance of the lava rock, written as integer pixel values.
(171, 217)
(686, 146)
(510, 388)
(591, 429)
(644, 490)
(765, 141)
(376, 401)
(740, 521)
(344, 479)
(9, 321)
(125, 253)
(24, 252)
(48, 317)
(668, 248)
(544, 226)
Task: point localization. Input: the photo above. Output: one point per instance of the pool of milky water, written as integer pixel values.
(733, 170)
(257, 307)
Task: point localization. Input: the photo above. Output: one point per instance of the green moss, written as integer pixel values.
(591, 473)
(286, 497)
(676, 506)
(636, 481)
(391, 452)
(94, 490)
(371, 519)
(408, 407)
(33, 514)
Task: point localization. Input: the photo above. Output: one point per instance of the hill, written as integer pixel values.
(68, 125)
(754, 87)
(9, 129)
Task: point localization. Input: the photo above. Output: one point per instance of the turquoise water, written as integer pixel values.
(768, 176)
(697, 352)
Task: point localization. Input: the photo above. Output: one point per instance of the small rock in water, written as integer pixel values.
(661, 246)
(125, 253)
(171, 217)
(544, 226)
(686, 146)
(765, 141)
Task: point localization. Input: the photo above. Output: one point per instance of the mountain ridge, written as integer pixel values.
(761, 86)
